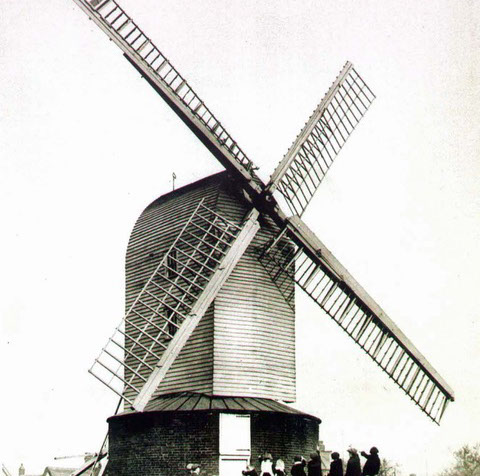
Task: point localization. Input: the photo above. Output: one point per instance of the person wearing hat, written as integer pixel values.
(353, 463)
(336, 466)
(299, 464)
(372, 465)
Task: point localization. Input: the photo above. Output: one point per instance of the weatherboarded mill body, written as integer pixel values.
(218, 405)
(204, 359)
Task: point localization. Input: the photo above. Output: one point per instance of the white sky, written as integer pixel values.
(85, 145)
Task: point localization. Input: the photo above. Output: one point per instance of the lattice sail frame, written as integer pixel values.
(176, 294)
(304, 166)
(140, 50)
(336, 292)
(297, 178)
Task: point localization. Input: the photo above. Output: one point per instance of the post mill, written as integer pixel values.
(199, 361)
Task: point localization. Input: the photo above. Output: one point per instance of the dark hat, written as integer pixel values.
(335, 455)
(297, 458)
(374, 450)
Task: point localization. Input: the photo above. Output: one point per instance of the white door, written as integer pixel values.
(232, 466)
(234, 444)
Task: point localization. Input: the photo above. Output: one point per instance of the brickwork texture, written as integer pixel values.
(162, 444)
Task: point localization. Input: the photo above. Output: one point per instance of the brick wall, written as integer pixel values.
(284, 436)
(162, 444)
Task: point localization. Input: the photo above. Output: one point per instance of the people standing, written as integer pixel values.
(299, 464)
(266, 465)
(279, 467)
(314, 466)
(372, 465)
(336, 466)
(353, 463)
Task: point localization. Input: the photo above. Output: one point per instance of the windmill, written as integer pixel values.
(214, 265)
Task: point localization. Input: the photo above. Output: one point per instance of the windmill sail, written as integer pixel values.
(301, 171)
(171, 85)
(309, 263)
(171, 304)
(172, 301)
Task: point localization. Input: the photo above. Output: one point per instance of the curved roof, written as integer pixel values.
(192, 402)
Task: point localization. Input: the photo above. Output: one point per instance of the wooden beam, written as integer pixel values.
(181, 337)
(284, 165)
(322, 254)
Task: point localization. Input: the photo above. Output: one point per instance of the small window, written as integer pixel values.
(172, 264)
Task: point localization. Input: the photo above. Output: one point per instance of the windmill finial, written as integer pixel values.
(173, 180)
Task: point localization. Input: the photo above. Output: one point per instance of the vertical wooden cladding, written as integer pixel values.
(245, 343)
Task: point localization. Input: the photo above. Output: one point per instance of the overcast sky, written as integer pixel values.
(86, 144)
